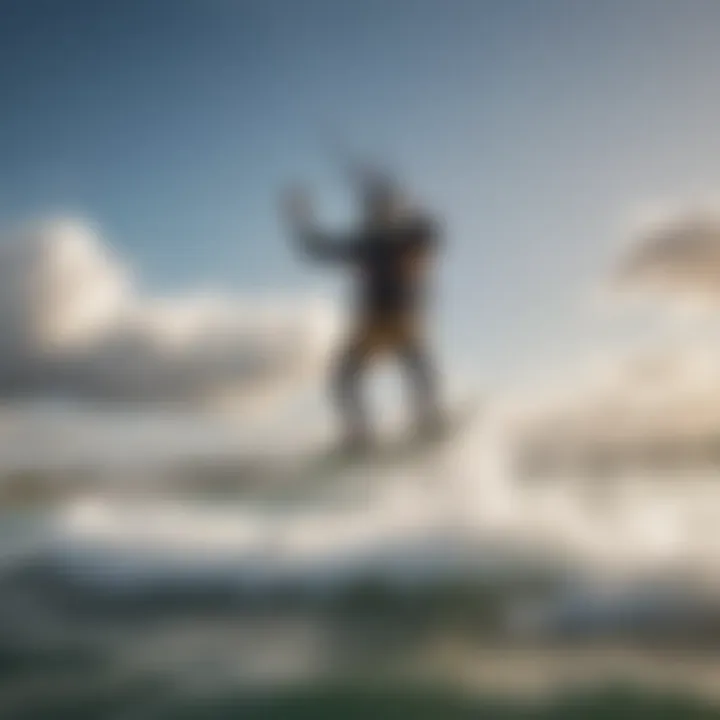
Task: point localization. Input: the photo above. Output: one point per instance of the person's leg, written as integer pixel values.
(346, 386)
(422, 375)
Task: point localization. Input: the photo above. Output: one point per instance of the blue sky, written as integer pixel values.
(534, 128)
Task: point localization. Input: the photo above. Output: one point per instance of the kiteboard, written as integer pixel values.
(391, 449)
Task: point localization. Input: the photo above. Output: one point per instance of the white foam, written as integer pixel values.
(420, 520)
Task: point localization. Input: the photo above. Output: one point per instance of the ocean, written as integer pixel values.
(443, 589)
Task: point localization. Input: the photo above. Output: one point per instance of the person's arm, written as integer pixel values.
(424, 238)
(431, 235)
(421, 244)
(312, 241)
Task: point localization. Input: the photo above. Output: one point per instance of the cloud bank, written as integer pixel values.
(651, 410)
(677, 254)
(73, 325)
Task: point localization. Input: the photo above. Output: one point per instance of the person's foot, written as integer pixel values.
(432, 427)
(355, 444)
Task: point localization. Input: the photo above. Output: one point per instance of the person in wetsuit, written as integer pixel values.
(391, 252)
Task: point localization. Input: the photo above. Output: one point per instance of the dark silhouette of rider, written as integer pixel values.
(392, 252)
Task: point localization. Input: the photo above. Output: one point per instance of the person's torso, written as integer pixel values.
(392, 268)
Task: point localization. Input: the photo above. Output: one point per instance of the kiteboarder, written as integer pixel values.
(392, 251)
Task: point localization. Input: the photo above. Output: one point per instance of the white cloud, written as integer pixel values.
(73, 324)
(675, 253)
(665, 396)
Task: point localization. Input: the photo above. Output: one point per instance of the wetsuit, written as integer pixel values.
(392, 266)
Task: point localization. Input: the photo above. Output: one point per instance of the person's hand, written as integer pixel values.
(297, 209)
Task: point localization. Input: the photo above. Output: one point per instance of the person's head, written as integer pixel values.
(382, 201)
